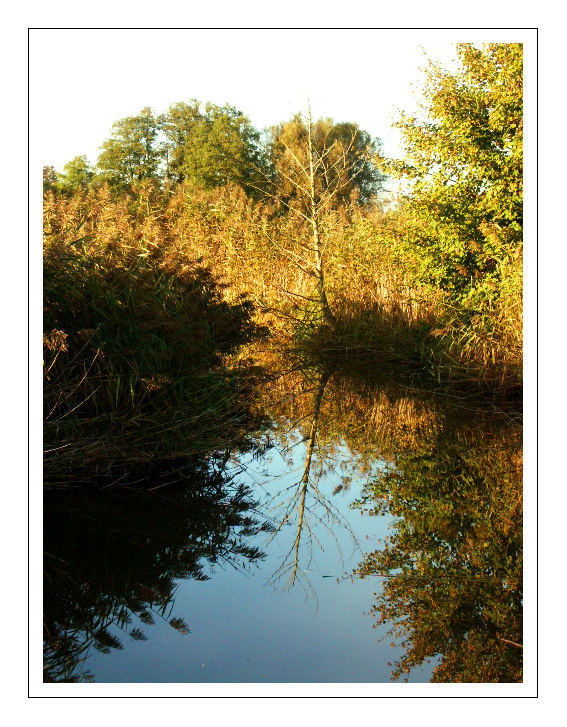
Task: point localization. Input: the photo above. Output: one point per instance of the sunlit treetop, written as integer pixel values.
(132, 152)
(465, 167)
(343, 156)
(210, 145)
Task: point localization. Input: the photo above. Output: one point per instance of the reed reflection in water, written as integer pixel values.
(114, 558)
(440, 469)
(449, 473)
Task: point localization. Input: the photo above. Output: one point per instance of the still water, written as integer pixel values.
(368, 530)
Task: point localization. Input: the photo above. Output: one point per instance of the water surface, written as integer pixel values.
(368, 529)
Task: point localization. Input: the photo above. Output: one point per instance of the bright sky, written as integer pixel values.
(81, 81)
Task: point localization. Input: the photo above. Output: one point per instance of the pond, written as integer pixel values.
(364, 526)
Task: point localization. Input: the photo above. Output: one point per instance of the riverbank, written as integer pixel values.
(251, 253)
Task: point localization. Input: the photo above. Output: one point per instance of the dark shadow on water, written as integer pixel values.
(113, 557)
(142, 414)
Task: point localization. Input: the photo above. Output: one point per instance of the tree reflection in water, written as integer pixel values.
(348, 424)
(451, 475)
(113, 557)
(307, 502)
(446, 467)
(452, 565)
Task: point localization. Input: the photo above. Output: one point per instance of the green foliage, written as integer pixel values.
(464, 210)
(78, 174)
(208, 146)
(211, 147)
(132, 153)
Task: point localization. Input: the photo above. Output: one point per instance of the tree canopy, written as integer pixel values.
(211, 146)
(465, 168)
(132, 153)
(342, 153)
(77, 174)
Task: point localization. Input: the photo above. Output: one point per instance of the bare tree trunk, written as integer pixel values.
(328, 316)
(305, 479)
(316, 184)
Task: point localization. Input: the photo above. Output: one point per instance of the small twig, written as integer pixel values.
(507, 641)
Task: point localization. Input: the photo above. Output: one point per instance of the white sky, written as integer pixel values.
(84, 80)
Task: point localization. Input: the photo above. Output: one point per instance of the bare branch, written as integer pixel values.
(295, 159)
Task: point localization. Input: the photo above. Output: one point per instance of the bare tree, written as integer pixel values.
(319, 174)
(308, 500)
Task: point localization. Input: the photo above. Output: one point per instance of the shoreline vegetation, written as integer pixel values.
(194, 234)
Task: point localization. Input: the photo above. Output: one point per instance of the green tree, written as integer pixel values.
(50, 178)
(77, 174)
(211, 146)
(133, 152)
(464, 164)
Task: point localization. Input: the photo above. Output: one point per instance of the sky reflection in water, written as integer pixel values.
(447, 495)
(247, 628)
